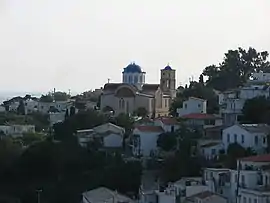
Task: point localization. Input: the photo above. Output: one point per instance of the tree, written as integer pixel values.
(60, 96)
(66, 114)
(125, 121)
(167, 141)
(46, 98)
(256, 110)
(72, 111)
(141, 112)
(201, 79)
(21, 108)
(236, 68)
(234, 152)
(183, 162)
(30, 138)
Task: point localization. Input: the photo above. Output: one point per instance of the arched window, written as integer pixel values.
(123, 103)
(120, 103)
(130, 79)
(135, 79)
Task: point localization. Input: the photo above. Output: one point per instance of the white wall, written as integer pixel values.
(166, 128)
(113, 140)
(262, 77)
(17, 130)
(192, 105)
(148, 142)
(244, 138)
(211, 151)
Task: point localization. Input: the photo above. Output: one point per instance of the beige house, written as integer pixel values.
(133, 93)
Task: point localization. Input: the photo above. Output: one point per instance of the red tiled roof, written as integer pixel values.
(149, 128)
(258, 158)
(168, 121)
(199, 116)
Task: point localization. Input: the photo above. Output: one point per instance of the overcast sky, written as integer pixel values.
(79, 44)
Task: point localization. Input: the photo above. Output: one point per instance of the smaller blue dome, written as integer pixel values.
(132, 68)
(167, 68)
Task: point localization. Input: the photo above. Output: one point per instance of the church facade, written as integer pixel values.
(133, 93)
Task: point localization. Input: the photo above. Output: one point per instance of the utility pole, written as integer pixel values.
(38, 195)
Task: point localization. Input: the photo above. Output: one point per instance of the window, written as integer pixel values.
(235, 138)
(135, 79)
(242, 179)
(185, 106)
(249, 200)
(264, 140)
(199, 105)
(256, 140)
(141, 79)
(228, 138)
(213, 151)
(172, 128)
(255, 200)
(244, 200)
(242, 139)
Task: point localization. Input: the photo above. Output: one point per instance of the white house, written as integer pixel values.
(260, 77)
(192, 105)
(60, 106)
(201, 120)
(110, 135)
(2, 108)
(14, 106)
(30, 106)
(248, 183)
(144, 140)
(103, 194)
(17, 130)
(84, 136)
(211, 150)
(232, 101)
(247, 135)
(168, 124)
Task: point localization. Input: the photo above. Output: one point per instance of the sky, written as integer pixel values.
(79, 44)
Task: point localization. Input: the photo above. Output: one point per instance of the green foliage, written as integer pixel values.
(81, 120)
(21, 108)
(183, 162)
(198, 90)
(167, 141)
(64, 171)
(236, 68)
(60, 96)
(256, 110)
(234, 152)
(125, 121)
(72, 111)
(40, 121)
(141, 112)
(46, 98)
(31, 138)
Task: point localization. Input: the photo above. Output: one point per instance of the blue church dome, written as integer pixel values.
(167, 68)
(132, 68)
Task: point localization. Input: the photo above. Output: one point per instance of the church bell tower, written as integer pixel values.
(167, 80)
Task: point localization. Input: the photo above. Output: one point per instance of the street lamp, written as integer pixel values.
(38, 195)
